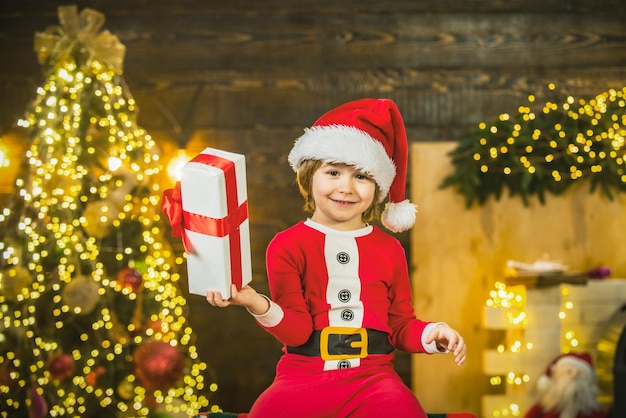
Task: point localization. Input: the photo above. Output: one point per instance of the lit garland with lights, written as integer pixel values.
(545, 149)
(92, 322)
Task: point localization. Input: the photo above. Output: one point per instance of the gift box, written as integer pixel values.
(212, 219)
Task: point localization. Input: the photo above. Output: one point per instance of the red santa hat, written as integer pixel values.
(582, 361)
(370, 135)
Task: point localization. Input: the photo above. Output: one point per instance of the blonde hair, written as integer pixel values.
(304, 178)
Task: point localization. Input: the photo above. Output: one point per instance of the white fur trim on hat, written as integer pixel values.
(347, 145)
(398, 217)
(578, 363)
(581, 362)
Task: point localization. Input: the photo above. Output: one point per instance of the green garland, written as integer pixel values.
(545, 150)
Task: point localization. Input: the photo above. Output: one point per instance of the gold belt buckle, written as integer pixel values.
(354, 344)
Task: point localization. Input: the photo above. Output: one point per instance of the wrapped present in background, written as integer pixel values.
(209, 210)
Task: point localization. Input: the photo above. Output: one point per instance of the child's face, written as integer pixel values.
(341, 194)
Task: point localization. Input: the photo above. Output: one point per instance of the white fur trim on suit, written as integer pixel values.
(272, 317)
(347, 145)
(432, 347)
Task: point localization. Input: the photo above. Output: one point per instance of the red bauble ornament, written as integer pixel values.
(130, 278)
(61, 366)
(158, 365)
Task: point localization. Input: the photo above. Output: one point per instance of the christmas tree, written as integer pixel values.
(92, 321)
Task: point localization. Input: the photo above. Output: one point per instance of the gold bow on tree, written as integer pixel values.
(78, 34)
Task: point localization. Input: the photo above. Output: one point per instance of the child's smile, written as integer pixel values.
(341, 194)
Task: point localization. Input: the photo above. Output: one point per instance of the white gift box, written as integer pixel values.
(215, 220)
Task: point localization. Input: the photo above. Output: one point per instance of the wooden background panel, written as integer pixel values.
(200, 43)
(121, 7)
(435, 104)
(286, 7)
(449, 105)
(205, 40)
(447, 266)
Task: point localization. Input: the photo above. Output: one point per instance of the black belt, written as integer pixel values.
(340, 343)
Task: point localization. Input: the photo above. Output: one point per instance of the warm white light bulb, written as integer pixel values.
(175, 166)
(114, 163)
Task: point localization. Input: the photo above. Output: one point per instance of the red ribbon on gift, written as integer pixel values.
(182, 220)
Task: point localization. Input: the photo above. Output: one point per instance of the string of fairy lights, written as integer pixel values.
(513, 299)
(90, 176)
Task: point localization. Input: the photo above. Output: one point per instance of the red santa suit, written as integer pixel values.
(326, 282)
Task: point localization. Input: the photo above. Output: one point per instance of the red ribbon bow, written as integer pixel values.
(172, 206)
(182, 220)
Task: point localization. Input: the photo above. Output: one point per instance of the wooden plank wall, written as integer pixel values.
(248, 75)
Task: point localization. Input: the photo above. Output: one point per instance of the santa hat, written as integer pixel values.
(581, 361)
(370, 135)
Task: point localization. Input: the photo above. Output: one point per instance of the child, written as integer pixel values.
(341, 296)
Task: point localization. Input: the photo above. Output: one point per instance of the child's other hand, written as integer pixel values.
(449, 339)
(246, 297)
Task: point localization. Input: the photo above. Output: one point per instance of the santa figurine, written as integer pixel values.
(567, 389)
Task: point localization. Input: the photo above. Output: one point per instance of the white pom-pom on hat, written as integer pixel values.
(370, 135)
(398, 217)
